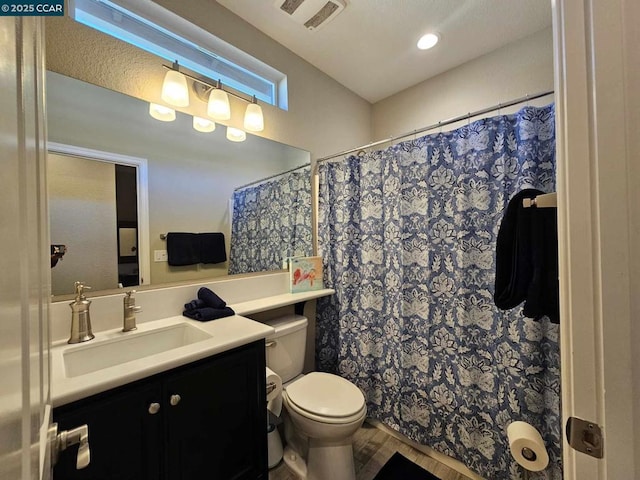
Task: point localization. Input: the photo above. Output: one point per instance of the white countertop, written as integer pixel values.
(227, 333)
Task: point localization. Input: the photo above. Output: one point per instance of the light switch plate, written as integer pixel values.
(160, 256)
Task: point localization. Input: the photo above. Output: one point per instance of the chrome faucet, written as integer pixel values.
(80, 319)
(130, 310)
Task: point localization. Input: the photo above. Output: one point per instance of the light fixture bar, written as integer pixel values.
(211, 84)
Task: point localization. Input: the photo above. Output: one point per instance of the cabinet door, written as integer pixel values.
(218, 428)
(124, 437)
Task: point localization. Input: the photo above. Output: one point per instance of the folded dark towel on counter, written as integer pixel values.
(193, 304)
(205, 314)
(183, 248)
(527, 259)
(210, 299)
(212, 248)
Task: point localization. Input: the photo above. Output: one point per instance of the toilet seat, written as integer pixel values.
(325, 398)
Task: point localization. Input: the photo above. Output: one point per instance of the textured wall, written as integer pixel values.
(323, 117)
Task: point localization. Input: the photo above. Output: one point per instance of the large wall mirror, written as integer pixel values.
(195, 183)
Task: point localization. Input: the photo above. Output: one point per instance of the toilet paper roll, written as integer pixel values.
(527, 446)
(274, 392)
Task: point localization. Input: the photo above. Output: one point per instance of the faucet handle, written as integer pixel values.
(130, 310)
(130, 301)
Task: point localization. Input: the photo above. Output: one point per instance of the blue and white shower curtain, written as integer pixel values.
(271, 221)
(408, 237)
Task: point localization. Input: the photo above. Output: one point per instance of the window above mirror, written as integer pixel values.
(155, 29)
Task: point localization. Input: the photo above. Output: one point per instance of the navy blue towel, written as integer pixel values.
(212, 248)
(205, 314)
(183, 248)
(193, 304)
(543, 296)
(527, 259)
(513, 253)
(210, 299)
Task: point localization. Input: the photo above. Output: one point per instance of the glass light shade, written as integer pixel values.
(236, 135)
(162, 113)
(428, 41)
(174, 89)
(203, 125)
(218, 107)
(253, 119)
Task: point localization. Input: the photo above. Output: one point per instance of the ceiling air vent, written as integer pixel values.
(313, 14)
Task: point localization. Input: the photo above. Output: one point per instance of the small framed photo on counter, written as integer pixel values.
(305, 274)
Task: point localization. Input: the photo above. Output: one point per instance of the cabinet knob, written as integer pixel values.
(154, 408)
(174, 400)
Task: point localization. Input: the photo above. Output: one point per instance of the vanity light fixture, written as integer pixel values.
(174, 88)
(162, 113)
(203, 125)
(236, 135)
(428, 41)
(253, 119)
(218, 107)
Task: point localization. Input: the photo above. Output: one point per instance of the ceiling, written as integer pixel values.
(370, 47)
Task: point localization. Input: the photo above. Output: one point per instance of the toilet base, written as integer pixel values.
(274, 448)
(295, 463)
(325, 460)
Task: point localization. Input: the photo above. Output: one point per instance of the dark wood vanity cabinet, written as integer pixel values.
(206, 419)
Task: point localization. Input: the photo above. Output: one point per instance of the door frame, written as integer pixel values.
(25, 287)
(596, 217)
(142, 174)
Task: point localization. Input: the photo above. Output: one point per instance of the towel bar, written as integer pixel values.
(547, 200)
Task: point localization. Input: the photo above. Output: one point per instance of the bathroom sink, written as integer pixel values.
(94, 356)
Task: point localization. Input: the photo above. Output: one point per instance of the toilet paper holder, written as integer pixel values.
(271, 386)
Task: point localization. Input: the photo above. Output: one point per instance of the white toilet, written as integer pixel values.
(322, 411)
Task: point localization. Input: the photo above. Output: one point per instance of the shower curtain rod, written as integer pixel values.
(442, 123)
(271, 176)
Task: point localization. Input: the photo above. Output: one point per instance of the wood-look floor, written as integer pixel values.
(371, 449)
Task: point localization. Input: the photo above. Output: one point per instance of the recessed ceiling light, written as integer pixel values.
(428, 41)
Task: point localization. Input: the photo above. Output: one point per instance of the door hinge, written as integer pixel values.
(585, 436)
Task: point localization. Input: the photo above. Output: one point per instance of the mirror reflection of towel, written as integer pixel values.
(527, 259)
(183, 248)
(212, 248)
(192, 248)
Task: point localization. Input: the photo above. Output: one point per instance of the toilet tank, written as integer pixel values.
(286, 347)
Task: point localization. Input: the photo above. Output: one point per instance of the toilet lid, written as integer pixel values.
(326, 395)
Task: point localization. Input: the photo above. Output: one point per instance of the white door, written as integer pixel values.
(24, 259)
(597, 80)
